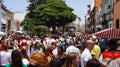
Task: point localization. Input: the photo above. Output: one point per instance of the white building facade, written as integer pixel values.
(18, 18)
(3, 19)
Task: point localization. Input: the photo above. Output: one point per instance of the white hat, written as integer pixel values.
(94, 38)
(62, 39)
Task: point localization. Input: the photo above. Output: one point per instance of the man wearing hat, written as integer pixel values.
(96, 51)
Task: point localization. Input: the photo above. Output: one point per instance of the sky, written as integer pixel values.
(16, 5)
(79, 6)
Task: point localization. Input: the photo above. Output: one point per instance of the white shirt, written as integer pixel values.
(5, 57)
(100, 59)
(36, 50)
(85, 56)
(55, 52)
(73, 49)
(25, 61)
(45, 43)
(48, 42)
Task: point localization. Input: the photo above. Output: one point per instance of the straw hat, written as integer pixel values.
(94, 38)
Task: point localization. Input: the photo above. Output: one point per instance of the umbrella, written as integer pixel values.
(108, 33)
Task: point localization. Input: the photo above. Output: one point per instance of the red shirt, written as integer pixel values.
(111, 54)
(24, 43)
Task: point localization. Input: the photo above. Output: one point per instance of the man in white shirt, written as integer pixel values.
(72, 48)
(86, 54)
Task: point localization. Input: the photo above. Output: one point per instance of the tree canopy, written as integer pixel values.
(49, 13)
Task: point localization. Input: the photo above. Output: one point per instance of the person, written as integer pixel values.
(103, 46)
(38, 60)
(96, 51)
(118, 43)
(86, 54)
(49, 50)
(111, 56)
(62, 44)
(24, 44)
(25, 58)
(0, 45)
(61, 54)
(72, 49)
(93, 63)
(16, 60)
(5, 56)
(55, 63)
(36, 48)
(72, 60)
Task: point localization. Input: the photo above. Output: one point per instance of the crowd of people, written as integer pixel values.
(61, 51)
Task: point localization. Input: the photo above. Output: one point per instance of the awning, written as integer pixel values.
(108, 33)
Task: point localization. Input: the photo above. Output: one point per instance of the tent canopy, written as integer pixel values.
(108, 33)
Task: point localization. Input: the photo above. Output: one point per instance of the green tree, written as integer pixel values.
(50, 13)
(55, 13)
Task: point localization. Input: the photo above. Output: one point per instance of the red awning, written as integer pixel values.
(108, 33)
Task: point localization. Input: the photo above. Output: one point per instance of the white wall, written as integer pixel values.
(19, 15)
(3, 19)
